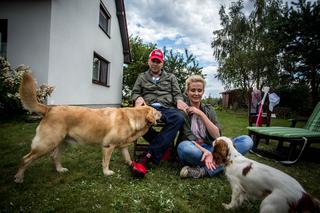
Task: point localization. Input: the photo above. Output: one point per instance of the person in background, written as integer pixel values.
(159, 89)
(201, 126)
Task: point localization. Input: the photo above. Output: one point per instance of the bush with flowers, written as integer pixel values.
(9, 89)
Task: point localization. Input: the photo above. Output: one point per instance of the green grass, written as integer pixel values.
(85, 189)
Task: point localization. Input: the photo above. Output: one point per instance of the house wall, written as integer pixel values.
(234, 99)
(225, 100)
(75, 35)
(57, 39)
(28, 34)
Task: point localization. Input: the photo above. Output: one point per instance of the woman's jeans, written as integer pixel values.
(190, 155)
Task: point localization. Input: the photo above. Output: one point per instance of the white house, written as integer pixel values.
(78, 46)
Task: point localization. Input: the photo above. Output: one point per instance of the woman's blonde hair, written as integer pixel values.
(192, 79)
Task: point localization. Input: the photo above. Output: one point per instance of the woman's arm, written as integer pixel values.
(211, 127)
(206, 157)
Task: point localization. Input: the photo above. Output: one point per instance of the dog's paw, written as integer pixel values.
(18, 179)
(108, 172)
(226, 206)
(62, 170)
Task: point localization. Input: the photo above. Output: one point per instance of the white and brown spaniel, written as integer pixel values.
(249, 179)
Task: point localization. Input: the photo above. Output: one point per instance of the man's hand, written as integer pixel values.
(182, 106)
(139, 102)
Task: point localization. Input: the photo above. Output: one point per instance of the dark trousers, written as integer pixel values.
(159, 142)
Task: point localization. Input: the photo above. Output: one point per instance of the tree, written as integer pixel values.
(10, 79)
(301, 51)
(140, 53)
(181, 65)
(246, 56)
(264, 59)
(274, 45)
(229, 44)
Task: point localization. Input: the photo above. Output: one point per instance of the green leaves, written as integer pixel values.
(182, 65)
(9, 89)
(272, 45)
(140, 53)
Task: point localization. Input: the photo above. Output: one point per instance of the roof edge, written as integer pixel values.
(121, 14)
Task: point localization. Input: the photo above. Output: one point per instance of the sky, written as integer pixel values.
(180, 24)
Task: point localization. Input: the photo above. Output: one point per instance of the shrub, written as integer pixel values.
(9, 89)
(218, 108)
(296, 97)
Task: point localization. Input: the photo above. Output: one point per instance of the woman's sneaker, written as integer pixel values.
(193, 172)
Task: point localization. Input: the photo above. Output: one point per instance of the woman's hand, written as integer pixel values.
(207, 158)
(211, 127)
(193, 110)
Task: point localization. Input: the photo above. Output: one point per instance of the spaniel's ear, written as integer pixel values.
(221, 151)
(151, 116)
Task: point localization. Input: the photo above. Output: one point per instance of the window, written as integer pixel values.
(104, 19)
(3, 37)
(100, 74)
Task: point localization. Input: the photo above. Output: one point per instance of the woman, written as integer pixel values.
(202, 127)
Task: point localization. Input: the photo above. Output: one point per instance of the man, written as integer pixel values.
(159, 89)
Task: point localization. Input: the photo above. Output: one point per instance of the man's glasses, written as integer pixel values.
(156, 61)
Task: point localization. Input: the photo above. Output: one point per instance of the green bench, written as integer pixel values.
(302, 137)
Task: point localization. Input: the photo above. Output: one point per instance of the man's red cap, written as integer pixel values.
(157, 53)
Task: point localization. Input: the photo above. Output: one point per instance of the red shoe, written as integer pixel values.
(145, 160)
(138, 170)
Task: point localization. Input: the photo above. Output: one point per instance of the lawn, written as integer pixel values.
(85, 189)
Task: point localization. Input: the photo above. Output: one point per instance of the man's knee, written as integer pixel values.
(179, 118)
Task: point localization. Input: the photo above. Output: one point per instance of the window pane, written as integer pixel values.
(3, 37)
(104, 19)
(100, 70)
(96, 67)
(104, 72)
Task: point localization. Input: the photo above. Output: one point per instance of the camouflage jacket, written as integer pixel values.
(165, 91)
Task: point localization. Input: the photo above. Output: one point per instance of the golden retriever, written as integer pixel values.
(109, 127)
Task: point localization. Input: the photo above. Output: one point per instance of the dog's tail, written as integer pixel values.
(308, 203)
(316, 203)
(28, 95)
